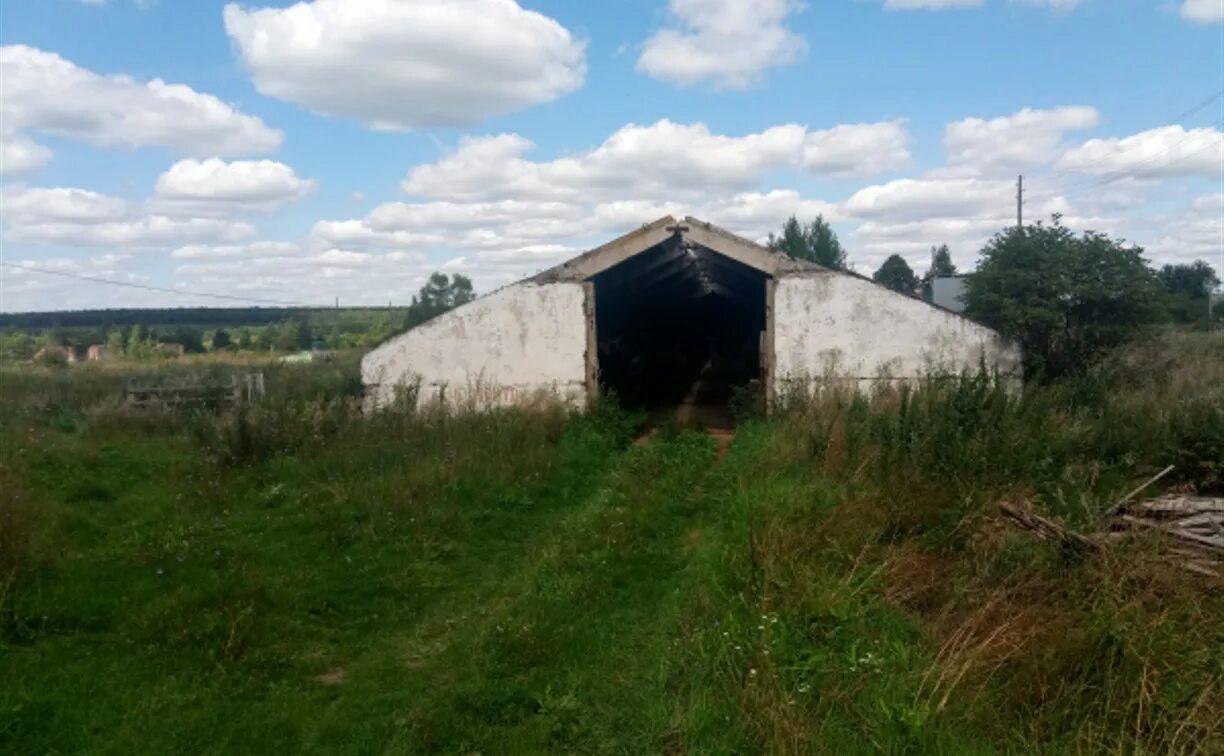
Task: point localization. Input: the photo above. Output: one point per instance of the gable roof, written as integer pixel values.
(692, 231)
(668, 229)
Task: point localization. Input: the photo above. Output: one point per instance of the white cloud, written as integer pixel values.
(930, 4)
(1029, 137)
(60, 205)
(20, 154)
(255, 250)
(357, 234)
(1193, 234)
(1057, 5)
(915, 199)
(855, 150)
(85, 218)
(1161, 152)
(665, 161)
(144, 231)
(1203, 11)
(214, 186)
(727, 42)
(45, 93)
(403, 65)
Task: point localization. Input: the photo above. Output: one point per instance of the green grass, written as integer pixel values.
(300, 579)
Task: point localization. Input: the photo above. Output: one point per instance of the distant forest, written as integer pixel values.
(202, 317)
(135, 333)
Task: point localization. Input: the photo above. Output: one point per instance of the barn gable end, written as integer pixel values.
(677, 309)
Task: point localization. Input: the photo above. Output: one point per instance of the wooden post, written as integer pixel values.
(592, 344)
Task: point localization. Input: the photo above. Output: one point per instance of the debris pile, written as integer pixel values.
(1196, 523)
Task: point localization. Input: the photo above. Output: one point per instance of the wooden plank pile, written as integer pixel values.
(1194, 523)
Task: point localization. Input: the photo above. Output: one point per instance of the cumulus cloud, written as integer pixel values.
(396, 65)
(930, 4)
(1195, 233)
(214, 186)
(259, 250)
(1156, 153)
(1057, 5)
(1029, 137)
(48, 94)
(78, 217)
(908, 216)
(1203, 11)
(20, 154)
(665, 160)
(729, 43)
(856, 150)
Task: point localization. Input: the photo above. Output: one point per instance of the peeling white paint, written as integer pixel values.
(531, 339)
(510, 347)
(837, 326)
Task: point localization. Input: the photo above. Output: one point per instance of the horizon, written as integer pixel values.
(224, 150)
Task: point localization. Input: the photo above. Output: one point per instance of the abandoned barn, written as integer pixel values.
(678, 311)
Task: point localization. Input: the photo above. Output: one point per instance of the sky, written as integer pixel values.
(342, 150)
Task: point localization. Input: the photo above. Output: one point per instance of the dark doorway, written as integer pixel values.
(679, 325)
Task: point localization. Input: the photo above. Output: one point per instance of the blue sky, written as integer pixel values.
(346, 149)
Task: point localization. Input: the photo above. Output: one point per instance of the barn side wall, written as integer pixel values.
(840, 327)
(513, 346)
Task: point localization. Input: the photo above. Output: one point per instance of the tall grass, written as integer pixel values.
(458, 581)
(1110, 653)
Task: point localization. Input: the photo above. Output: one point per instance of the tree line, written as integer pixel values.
(140, 334)
(1064, 297)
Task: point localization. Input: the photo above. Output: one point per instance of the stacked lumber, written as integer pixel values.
(1195, 523)
(1194, 526)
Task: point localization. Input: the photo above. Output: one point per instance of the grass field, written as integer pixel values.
(296, 577)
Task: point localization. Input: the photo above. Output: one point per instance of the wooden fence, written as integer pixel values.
(245, 388)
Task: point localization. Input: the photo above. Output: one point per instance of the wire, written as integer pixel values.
(1176, 120)
(146, 287)
(1130, 171)
(1199, 107)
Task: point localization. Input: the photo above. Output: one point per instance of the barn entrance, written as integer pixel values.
(679, 326)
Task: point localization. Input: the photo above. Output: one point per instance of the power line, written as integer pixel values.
(1175, 121)
(1199, 107)
(148, 287)
(1130, 171)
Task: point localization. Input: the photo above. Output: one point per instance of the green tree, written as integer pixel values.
(1196, 280)
(816, 242)
(221, 339)
(941, 267)
(1188, 290)
(114, 344)
(1063, 298)
(138, 345)
(897, 275)
(439, 294)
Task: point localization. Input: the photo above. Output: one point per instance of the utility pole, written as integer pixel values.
(1020, 202)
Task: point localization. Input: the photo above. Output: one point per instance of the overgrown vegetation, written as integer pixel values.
(297, 576)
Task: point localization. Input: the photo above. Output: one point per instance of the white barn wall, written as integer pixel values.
(840, 326)
(508, 347)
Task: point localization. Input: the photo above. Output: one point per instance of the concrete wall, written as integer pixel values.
(839, 326)
(508, 347)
